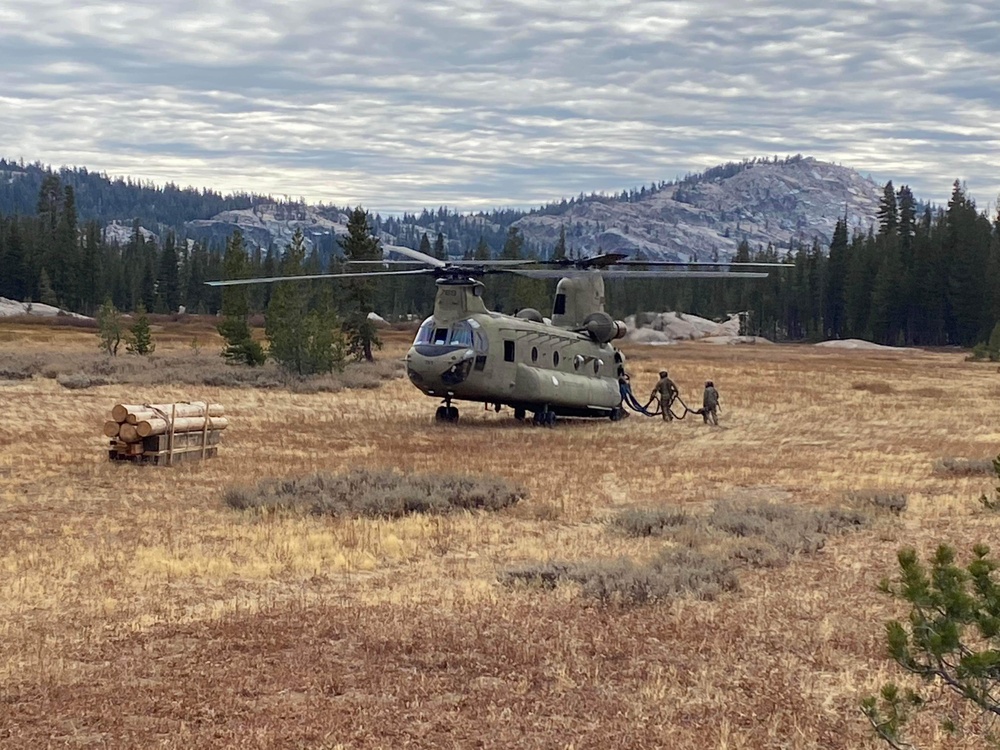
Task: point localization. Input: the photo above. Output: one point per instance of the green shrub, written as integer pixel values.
(642, 522)
(377, 494)
(964, 467)
(878, 501)
(671, 573)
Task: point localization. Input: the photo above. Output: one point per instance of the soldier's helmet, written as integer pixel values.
(663, 373)
(709, 384)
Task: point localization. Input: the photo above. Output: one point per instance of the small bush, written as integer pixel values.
(78, 380)
(19, 370)
(641, 522)
(878, 500)
(377, 494)
(964, 467)
(673, 572)
(756, 553)
(786, 528)
(878, 388)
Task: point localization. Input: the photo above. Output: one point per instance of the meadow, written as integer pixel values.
(138, 609)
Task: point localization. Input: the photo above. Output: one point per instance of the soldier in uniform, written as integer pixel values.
(666, 390)
(710, 404)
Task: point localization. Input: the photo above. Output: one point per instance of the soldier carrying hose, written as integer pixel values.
(666, 390)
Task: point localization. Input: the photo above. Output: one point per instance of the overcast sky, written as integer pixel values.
(400, 104)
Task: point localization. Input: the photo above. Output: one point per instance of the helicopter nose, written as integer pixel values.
(437, 371)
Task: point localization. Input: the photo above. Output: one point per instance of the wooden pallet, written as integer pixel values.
(167, 449)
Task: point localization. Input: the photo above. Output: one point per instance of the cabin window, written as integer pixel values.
(426, 333)
(508, 351)
(555, 358)
(534, 354)
(578, 361)
(461, 334)
(597, 366)
(560, 306)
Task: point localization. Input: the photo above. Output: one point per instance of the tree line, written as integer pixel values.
(923, 276)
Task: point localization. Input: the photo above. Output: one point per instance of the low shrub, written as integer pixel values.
(878, 501)
(762, 535)
(786, 528)
(673, 572)
(878, 388)
(377, 494)
(78, 380)
(190, 368)
(642, 522)
(964, 467)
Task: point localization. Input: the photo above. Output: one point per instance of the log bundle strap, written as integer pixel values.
(165, 433)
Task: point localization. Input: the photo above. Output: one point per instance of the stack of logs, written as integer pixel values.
(165, 433)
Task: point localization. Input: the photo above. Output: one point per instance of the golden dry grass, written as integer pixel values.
(137, 610)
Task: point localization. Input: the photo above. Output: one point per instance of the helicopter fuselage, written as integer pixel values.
(465, 352)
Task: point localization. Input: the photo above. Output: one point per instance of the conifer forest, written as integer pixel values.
(923, 275)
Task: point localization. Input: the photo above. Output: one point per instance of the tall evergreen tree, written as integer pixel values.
(359, 244)
(168, 292)
(302, 340)
(835, 297)
(235, 327)
(439, 252)
(559, 251)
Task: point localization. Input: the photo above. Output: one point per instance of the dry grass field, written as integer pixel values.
(138, 610)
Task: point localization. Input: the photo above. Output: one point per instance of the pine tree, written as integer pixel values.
(235, 327)
(439, 252)
(425, 245)
(303, 341)
(110, 328)
(838, 262)
(950, 638)
(559, 252)
(46, 295)
(168, 292)
(140, 337)
(359, 244)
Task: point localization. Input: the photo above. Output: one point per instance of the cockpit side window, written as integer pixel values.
(426, 333)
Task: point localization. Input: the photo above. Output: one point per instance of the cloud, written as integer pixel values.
(473, 104)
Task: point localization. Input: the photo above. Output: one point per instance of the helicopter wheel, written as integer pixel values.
(446, 413)
(617, 413)
(519, 414)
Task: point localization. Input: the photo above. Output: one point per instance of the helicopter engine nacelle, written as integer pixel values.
(529, 313)
(603, 328)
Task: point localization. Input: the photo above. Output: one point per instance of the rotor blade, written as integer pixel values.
(616, 274)
(361, 275)
(415, 255)
(475, 263)
(682, 263)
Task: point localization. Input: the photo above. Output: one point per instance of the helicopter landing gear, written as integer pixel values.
(618, 413)
(446, 413)
(545, 418)
(519, 414)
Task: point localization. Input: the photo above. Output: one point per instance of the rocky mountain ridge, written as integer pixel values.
(700, 217)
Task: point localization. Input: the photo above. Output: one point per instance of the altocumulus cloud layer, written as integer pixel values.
(399, 104)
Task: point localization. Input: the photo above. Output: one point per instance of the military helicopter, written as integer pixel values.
(565, 366)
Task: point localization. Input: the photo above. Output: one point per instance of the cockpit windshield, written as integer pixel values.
(459, 334)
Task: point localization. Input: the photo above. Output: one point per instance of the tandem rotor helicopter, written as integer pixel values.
(565, 366)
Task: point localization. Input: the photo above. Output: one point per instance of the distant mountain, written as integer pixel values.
(699, 217)
(707, 215)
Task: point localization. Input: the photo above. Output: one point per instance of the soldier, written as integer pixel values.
(710, 404)
(667, 392)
